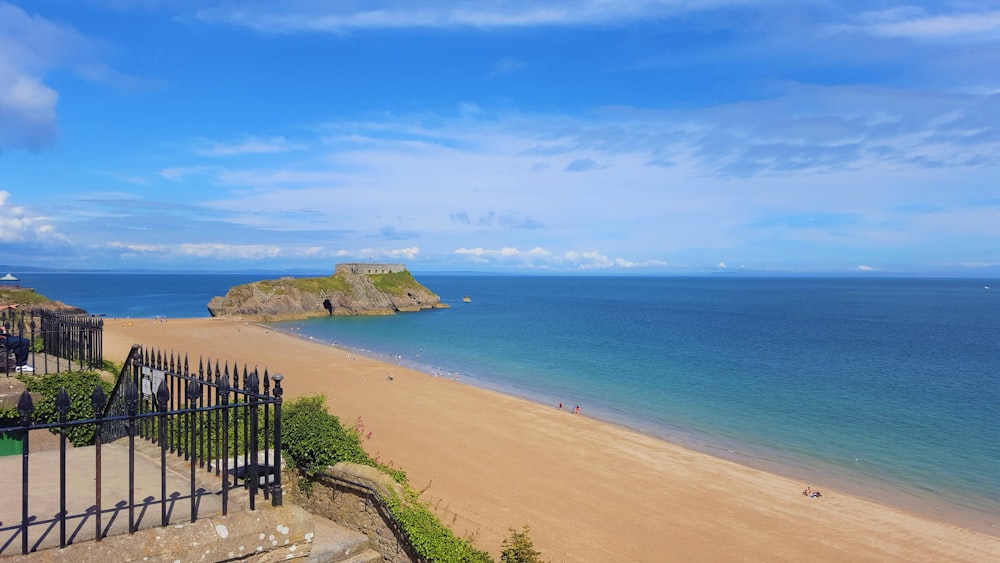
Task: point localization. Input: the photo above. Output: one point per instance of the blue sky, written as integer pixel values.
(590, 136)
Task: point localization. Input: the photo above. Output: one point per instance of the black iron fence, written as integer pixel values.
(230, 430)
(55, 342)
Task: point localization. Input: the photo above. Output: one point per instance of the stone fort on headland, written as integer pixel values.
(361, 268)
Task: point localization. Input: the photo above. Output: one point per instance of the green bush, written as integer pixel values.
(80, 387)
(519, 549)
(111, 367)
(432, 539)
(313, 439)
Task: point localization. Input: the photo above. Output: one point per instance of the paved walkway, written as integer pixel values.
(81, 495)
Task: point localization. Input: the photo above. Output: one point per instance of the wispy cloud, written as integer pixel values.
(31, 48)
(506, 65)
(249, 145)
(27, 105)
(20, 228)
(914, 23)
(389, 14)
(542, 259)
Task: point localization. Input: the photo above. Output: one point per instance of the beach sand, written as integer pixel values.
(590, 491)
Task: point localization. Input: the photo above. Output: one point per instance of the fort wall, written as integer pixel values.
(369, 268)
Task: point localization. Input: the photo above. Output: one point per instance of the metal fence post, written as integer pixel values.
(62, 407)
(193, 394)
(24, 408)
(97, 400)
(276, 486)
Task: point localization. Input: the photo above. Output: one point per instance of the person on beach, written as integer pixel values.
(20, 347)
(809, 492)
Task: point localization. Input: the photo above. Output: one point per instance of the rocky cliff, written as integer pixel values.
(341, 294)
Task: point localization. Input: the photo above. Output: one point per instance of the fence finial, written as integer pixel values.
(62, 403)
(162, 396)
(25, 406)
(98, 400)
(193, 390)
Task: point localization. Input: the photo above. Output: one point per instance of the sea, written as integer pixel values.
(886, 388)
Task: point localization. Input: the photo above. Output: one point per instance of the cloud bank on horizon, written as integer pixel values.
(670, 136)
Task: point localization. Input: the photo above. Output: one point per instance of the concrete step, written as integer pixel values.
(333, 543)
(366, 556)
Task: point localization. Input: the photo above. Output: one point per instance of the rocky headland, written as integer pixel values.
(354, 289)
(25, 299)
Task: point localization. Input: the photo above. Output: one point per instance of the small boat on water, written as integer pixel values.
(466, 299)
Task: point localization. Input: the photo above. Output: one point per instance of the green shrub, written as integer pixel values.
(80, 387)
(111, 367)
(432, 539)
(313, 439)
(519, 549)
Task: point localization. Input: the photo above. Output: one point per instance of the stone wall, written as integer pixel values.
(266, 535)
(336, 496)
(361, 268)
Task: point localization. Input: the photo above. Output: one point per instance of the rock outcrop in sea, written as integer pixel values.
(354, 289)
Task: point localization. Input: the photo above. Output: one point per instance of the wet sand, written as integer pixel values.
(590, 491)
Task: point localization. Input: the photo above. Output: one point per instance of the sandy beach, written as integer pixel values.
(590, 491)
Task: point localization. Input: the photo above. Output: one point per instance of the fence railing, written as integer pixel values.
(214, 425)
(224, 422)
(56, 341)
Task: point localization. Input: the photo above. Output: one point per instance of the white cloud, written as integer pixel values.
(864, 268)
(542, 259)
(180, 172)
(408, 253)
(19, 226)
(915, 24)
(31, 47)
(722, 265)
(250, 145)
(27, 109)
(220, 252)
(344, 17)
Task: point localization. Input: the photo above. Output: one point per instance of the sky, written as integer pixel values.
(649, 137)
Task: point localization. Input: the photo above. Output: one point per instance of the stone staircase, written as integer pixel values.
(336, 544)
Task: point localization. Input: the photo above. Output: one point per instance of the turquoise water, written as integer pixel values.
(887, 388)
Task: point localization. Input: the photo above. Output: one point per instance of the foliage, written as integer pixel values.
(80, 387)
(111, 367)
(396, 283)
(21, 296)
(320, 285)
(8, 417)
(519, 549)
(208, 435)
(312, 438)
(432, 539)
(37, 346)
